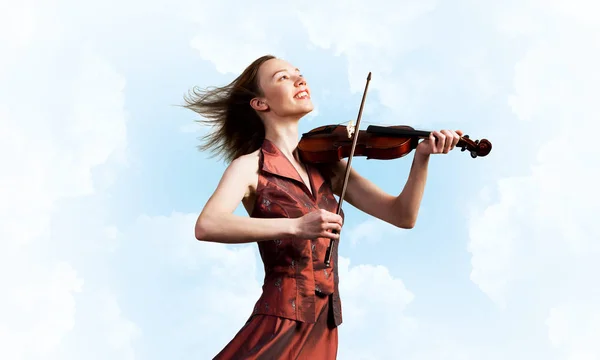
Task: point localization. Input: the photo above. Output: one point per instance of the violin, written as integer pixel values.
(331, 143)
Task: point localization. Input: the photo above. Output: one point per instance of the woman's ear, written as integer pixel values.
(259, 105)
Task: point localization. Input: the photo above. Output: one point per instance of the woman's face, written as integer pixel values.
(285, 91)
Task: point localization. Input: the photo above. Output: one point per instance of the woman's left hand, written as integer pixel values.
(439, 142)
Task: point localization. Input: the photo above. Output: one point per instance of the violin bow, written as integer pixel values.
(347, 175)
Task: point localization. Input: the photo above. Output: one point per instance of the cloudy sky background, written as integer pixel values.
(101, 182)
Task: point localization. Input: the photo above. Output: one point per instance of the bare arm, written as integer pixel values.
(402, 210)
(217, 223)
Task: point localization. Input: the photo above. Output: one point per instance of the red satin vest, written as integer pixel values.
(294, 268)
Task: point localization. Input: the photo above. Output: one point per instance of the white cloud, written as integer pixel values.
(371, 231)
(372, 36)
(49, 154)
(575, 329)
(39, 310)
(380, 324)
(231, 46)
(538, 240)
(54, 134)
(216, 285)
(373, 305)
(99, 330)
(17, 24)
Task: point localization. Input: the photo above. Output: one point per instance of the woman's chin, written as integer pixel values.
(298, 112)
(306, 109)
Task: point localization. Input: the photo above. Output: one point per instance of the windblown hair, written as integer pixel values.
(237, 128)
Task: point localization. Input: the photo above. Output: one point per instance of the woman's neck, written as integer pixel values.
(285, 137)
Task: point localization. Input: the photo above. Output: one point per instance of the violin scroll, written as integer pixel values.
(476, 148)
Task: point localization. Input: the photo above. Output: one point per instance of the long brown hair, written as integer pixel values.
(237, 128)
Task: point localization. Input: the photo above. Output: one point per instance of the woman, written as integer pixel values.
(291, 207)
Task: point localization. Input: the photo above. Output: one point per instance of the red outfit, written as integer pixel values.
(297, 315)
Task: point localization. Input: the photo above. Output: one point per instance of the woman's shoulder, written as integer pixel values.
(246, 163)
(245, 168)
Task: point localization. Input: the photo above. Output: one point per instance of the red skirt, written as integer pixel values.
(271, 337)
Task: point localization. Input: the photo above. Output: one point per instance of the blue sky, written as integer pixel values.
(102, 183)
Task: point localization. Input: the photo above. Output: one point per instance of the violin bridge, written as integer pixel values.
(350, 128)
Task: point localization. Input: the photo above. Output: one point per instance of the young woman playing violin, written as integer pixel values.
(291, 207)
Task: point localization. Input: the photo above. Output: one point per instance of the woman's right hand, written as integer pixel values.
(319, 223)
